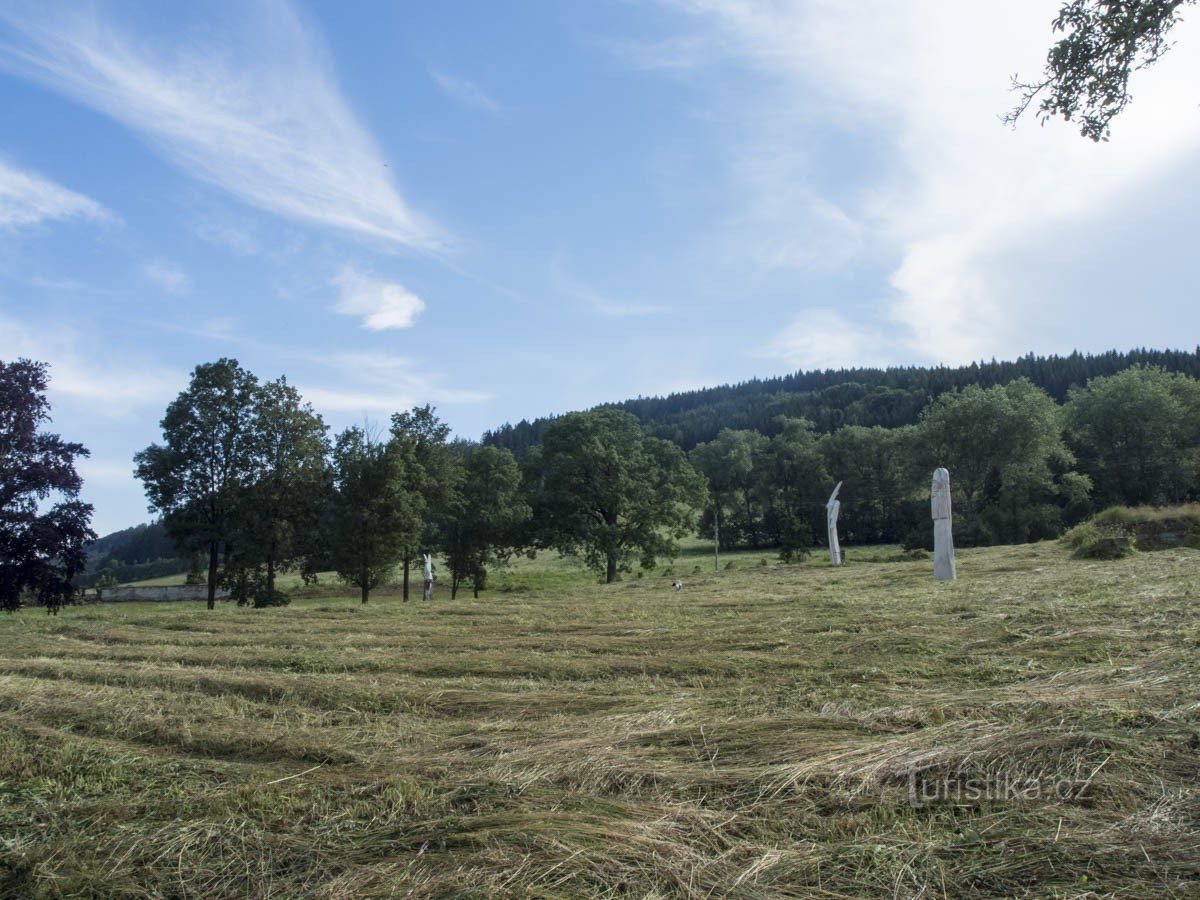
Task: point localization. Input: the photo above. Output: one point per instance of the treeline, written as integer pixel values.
(835, 398)
(1023, 467)
(248, 477)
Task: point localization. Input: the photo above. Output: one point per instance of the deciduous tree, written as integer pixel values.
(1087, 73)
(489, 512)
(610, 494)
(197, 476)
(44, 527)
(879, 480)
(1137, 435)
(794, 485)
(731, 462)
(375, 514)
(280, 509)
(433, 477)
(1010, 471)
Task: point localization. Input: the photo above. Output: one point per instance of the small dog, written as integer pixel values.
(678, 585)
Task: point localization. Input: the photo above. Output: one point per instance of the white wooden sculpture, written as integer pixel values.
(943, 535)
(428, 577)
(832, 508)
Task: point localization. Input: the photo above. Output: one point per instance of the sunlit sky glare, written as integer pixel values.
(509, 209)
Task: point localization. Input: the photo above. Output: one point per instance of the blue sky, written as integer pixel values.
(513, 209)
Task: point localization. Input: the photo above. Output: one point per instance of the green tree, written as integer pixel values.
(1011, 473)
(1087, 73)
(42, 545)
(729, 462)
(609, 493)
(1137, 435)
(489, 512)
(196, 478)
(879, 481)
(434, 474)
(794, 485)
(374, 514)
(274, 525)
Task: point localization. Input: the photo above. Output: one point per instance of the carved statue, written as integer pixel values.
(832, 508)
(943, 535)
(428, 577)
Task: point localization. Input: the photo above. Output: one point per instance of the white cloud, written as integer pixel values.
(464, 91)
(945, 191)
(785, 223)
(27, 198)
(381, 304)
(85, 371)
(168, 276)
(254, 109)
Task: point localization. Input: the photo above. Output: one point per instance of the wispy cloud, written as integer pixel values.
(351, 382)
(464, 91)
(381, 304)
(255, 110)
(676, 53)
(933, 184)
(228, 235)
(85, 371)
(382, 384)
(598, 302)
(27, 198)
(167, 276)
(782, 221)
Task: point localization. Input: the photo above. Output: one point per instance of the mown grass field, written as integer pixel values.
(777, 731)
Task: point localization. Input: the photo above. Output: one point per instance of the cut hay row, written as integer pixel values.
(778, 732)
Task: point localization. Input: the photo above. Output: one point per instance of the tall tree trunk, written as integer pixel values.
(213, 550)
(611, 574)
(270, 579)
(407, 555)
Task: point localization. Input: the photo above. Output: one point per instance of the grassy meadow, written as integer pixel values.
(771, 731)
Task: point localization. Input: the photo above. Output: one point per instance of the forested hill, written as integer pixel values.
(143, 551)
(888, 397)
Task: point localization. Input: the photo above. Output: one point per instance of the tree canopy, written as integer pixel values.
(278, 513)
(375, 515)
(486, 519)
(1086, 79)
(194, 479)
(1137, 434)
(610, 494)
(42, 547)
(1009, 463)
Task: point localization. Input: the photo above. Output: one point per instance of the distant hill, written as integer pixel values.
(889, 397)
(133, 554)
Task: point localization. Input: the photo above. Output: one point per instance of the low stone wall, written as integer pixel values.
(158, 594)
